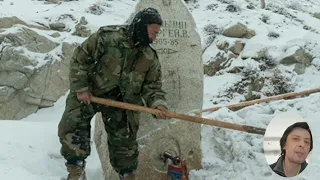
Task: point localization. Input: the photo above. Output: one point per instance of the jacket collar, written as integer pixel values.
(278, 168)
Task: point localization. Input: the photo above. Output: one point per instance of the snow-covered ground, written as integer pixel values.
(29, 149)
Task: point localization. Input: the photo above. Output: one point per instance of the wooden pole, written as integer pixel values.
(249, 103)
(185, 175)
(122, 105)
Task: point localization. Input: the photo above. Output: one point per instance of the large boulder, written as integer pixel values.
(219, 62)
(237, 47)
(81, 28)
(299, 57)
(239, 30)
(8, 22)
(31, 76)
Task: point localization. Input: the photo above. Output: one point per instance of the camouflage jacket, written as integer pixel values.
(106, 60)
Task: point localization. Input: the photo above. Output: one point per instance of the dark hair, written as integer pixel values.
(138, 28)
(284, 137)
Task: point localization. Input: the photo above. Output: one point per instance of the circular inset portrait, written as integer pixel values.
(288, 144)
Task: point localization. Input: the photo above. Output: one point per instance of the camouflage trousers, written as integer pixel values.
(74, 133)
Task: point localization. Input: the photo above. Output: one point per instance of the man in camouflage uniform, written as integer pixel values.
(117, 63)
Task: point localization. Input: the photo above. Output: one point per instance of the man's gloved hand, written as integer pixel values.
(84, 97)
(161, 114)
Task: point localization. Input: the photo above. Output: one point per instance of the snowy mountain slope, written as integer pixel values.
(234, 155)
(30, 148)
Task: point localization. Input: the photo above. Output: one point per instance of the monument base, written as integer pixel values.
(177, 138)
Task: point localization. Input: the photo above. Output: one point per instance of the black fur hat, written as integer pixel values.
(138, 28)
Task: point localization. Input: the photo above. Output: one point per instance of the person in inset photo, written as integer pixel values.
(296, 144)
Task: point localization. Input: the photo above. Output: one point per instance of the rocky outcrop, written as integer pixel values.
(316, 15)
(237, 47)
(33, 71)
(239, 31)
(300, 58)
(81, 29)
(8, 22)
(58, 26)
(220, 61)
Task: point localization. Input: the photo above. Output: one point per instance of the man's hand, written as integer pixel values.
(84, 97)
(161, 114)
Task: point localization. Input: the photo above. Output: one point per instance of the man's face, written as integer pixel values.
(153, 30)
(297, 146)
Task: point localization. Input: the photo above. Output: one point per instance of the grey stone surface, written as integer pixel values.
(257, 56)
(81, 29)
(236, 31)
(5, 93)
(14, 79)
(250, 33)
(180, 53)
(55, 35)
(26, 86)
(299, 68)
(9, 110)
(29, 39)
(316, 15)
(57, 82)
(239, 30)
(237, 47)
(8, 22)
(223, 45)
(300, 56)
(215, 64)
(57, 26)
(13, 60)
(52, 1)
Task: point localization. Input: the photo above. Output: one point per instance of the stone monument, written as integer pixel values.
(179, 49)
